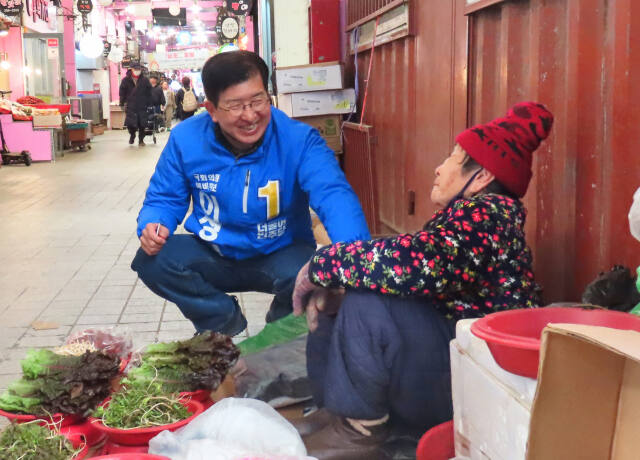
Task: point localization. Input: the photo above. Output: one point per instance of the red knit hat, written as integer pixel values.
(504, 146)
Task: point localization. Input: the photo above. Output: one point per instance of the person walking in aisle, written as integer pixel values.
(170, 106)
(186, 100)
(135, 96)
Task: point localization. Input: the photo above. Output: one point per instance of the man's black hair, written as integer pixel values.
(228, 69)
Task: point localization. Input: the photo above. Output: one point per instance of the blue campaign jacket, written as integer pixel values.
(255, 204)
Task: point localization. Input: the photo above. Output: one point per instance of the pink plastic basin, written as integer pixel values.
(141, 436)
(513, 336)
(437, 443)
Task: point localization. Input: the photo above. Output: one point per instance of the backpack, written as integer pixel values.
(189, 103)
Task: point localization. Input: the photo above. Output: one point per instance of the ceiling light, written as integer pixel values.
(38, 72)
(5, 65)
(174, 9)
(130, 9)
(196, 8)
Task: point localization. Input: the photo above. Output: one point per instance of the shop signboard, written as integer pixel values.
(84, 6)
(242, 7)
(227, 28)
(52, 48)
(11, 7)
(106, 48)
(183, 59)
(35, 16)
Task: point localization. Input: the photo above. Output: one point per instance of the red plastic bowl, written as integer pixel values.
(131, 457)
(141, 436)
(57, 419)
(202, 396)
(112, 448)
(86, 430)
(437, 443)
(513, 336)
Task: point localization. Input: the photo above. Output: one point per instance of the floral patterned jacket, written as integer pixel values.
(470, 259)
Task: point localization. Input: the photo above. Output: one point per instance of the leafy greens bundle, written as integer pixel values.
(200, 363)
(54, 383)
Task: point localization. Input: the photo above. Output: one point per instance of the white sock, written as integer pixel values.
(360, 425)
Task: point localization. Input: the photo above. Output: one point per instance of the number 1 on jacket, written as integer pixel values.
(271, 192)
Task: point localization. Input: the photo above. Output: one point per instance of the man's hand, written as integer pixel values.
(153, 238)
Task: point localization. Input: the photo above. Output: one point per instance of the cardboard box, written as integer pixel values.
(47, 121)
(587, 405)
(317, 103)
(313, 77)
(329, 128)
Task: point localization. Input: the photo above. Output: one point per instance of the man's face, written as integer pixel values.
(153, 81)
(242, 128)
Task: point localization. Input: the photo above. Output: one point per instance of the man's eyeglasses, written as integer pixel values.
(257, 104)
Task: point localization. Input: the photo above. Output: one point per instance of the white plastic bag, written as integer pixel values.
(634, 216)
(233, 429)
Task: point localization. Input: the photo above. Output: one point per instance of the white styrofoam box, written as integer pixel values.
(312, 77)
(318, 102)
(491, 419)
(477, 348)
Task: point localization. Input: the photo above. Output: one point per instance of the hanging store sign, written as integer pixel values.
(107, 48)
(227, 29)
(84, 6)
(183, 59)
(35, 16)
(242, 7)
(11, 7)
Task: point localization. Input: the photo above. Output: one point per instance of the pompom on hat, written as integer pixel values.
(505, 146)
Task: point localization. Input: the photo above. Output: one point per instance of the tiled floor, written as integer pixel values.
(67, 237)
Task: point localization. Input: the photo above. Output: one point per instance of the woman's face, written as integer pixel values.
(450, 178)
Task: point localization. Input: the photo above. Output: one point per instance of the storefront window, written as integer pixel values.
(42, 68)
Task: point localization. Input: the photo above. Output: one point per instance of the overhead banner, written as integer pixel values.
(37, 16)
(183, 59)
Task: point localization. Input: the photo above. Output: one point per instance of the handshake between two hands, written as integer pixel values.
(311, 299)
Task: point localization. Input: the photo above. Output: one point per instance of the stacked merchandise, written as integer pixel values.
(315, 94)
(491, 406)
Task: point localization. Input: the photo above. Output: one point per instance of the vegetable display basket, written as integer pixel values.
(513, 336)
(61, 420)
(86, 430)
(202, 396)
(141, 436)
(131, 457)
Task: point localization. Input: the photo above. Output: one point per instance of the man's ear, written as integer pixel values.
(211, 109)
(483, 179)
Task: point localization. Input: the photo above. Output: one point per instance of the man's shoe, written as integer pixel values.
(312, 422)
(237, 324)
(338, 440)
(132, 138)
(278, 310)
(141, 143)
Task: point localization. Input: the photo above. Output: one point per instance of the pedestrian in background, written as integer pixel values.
(170, 106)
(186, 100)
(135, 96)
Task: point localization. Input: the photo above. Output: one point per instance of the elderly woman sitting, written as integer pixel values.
(380, 356)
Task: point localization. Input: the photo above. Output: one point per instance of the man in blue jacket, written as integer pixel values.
(251, 174)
